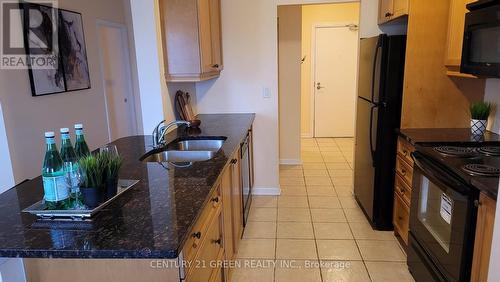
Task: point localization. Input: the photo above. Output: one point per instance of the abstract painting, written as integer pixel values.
(55, 35)
(73, 52)
(40, 38)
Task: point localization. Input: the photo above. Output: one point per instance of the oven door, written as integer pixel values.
(481, 44)
(442, 218)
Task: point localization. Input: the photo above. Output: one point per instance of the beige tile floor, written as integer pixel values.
(315, 230)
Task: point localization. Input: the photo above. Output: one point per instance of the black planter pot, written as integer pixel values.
(111, 188)
(91, 196)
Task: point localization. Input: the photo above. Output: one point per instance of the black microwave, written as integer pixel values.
(481, 45)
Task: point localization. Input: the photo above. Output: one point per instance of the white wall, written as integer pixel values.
(27, 117)
(290, 52)
(6, 174)
(249, 31)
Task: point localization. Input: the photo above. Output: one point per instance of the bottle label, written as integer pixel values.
(64, 136)
(50, 141)
(79, 131)
(55, 188)
(73, 173)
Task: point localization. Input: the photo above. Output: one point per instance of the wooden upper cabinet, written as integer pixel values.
(456, 23)
(192, 41)
(392, 9)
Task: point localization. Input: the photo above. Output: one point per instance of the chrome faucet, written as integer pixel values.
(161, 130)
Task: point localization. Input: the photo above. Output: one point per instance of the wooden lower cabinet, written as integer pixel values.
(401, 218)
(484, 238)
(402, 189)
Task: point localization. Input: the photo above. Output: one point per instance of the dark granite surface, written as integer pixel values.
(431, 135)
(152, 220)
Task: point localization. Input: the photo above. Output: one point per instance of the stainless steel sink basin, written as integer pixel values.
(186, 150)
(179, 156)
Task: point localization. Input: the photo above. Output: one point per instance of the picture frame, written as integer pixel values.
(54, 33)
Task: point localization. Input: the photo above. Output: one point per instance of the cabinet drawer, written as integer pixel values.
(199, 233)
(404, 150)
(402, 189)
(401, 218)
(204, 265)
(404, 170)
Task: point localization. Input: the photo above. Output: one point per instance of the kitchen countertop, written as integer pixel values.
(427, 135)
(151, 220)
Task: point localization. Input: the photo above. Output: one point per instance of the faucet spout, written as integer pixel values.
(160, 131)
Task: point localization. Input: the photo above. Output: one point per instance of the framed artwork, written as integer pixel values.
(73, 52)
(57, 36)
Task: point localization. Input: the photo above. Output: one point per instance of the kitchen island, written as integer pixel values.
(154, 220)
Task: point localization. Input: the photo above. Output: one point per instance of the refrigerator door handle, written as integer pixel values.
(372, 150)
(374, 71)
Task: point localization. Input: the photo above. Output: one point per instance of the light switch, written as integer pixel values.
(266, 93)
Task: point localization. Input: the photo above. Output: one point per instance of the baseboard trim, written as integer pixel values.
(306, 135)
(290, 162)
(262, 191)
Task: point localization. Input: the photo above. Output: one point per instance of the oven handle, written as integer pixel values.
(439, 174)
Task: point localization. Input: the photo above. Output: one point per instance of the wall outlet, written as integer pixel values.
(266, 93)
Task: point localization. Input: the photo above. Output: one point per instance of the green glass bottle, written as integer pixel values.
(55, 187)
(81, 148)
(70, 161)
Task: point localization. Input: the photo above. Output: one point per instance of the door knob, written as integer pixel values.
(318, 86)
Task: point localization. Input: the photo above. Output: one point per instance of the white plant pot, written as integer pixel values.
(478, 126)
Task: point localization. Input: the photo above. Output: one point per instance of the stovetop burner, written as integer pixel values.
(489, 150)
(456, 151)
(481, 170)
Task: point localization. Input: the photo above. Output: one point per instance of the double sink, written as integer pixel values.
(186, 150)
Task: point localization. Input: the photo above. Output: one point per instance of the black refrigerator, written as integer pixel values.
(380, 89)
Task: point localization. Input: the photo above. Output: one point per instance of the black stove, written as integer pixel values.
(478, 164)
(447, 178)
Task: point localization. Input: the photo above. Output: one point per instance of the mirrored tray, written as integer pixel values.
(39, 209)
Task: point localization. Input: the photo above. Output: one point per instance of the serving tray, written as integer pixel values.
(39, 209)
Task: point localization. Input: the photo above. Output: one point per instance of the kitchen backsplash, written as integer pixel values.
(492, 94)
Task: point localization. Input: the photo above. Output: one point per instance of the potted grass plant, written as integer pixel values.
(112, 164)
(480, 111)
(91, 183)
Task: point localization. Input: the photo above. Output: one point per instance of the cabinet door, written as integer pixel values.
(401, 218)
(400, 8)
(215, 30)
(456, 22)
(237, 202)
(227, 211)
(385, 11)
(210, 251)
(205, 35)
(484, 238)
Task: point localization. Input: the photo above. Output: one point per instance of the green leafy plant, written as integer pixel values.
(92, 172)
(96, 169)
(480, 110)
(112, 164)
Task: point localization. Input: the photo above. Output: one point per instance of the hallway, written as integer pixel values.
(316, 219)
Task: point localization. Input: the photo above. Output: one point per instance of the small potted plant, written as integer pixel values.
(480, 111)
(91, 183)
(112, 164)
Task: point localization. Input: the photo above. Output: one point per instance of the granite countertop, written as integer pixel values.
(151, 220)
(428, 135)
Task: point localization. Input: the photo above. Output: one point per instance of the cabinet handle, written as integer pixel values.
(405, 153)
(388, 14)
(403, 171)
(215, 66)
(215, 200)
(218, 241)
(477, 203)
(197, 235)
(234, 161)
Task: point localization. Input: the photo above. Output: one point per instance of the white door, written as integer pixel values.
(335, 75)
(115, 67)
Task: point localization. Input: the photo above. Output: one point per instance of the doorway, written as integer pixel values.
(116, 79)
(335, 50)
